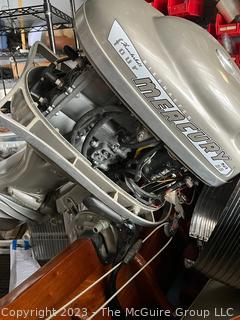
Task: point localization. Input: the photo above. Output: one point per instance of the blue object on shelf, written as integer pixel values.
(3, 37)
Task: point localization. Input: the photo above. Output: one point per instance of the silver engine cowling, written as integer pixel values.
(136, 120)
(174, 76)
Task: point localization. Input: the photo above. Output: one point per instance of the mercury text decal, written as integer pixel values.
(158, 98)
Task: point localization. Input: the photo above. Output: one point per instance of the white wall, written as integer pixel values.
(63, 5)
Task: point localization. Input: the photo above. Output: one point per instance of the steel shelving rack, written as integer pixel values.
(33, 19)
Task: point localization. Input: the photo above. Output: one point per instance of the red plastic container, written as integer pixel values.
(161, 5)
(232, 29)
(237, 53)
(237, 60)
(212, 29)
(184, 8)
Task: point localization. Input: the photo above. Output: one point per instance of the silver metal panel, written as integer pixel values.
(48, 239)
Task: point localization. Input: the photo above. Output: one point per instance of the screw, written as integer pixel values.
(140, 136)
(105, 154)
(94, 144)
(115, 147)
